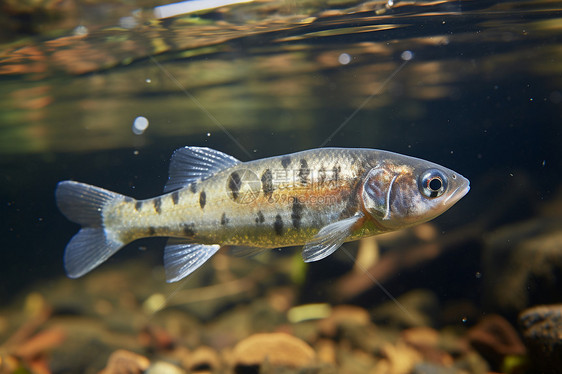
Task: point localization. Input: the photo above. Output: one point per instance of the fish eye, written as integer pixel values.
(432, 183)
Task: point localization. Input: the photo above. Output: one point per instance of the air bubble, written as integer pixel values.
(407, 55)
(140, 125)
(344, 58)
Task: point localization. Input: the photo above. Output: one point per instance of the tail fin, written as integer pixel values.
(83, 204)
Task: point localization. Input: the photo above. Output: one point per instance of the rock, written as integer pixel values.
(203, 359)
(427, 342)
(341, 316)
(368, 338)
(352, 324)
(125, 362)
(277, 349)
(326, 350)
(179, 354)
(542, 330)
(494, 338)
(421, 336)
(398, 359)
(354, 360)
(162, 367)
(156, 338)
(171, 327)
(523, 258)
(429, 368)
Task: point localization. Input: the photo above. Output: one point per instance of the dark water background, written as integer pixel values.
(482, 95)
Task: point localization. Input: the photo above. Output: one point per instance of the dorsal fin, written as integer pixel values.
(191, 164)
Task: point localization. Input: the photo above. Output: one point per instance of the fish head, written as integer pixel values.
(404, 191)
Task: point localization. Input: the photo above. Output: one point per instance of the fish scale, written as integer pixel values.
(288, 187)
(317, 198)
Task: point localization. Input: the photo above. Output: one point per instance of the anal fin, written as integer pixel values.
(182, 259)
(329, 239)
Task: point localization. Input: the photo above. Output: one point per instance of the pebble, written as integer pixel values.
(163, 367)
(542, 330)
(123, 361)
(427, 341)
(398, 359)
(429, 368)
(278, 349)
(204, 359)
(421, 336)
(343, 315)
(326, 350)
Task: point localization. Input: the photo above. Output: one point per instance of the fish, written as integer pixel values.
(318, 198)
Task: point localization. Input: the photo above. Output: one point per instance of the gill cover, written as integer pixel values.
(377, 192)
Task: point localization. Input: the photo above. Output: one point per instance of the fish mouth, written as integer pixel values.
(459, 192)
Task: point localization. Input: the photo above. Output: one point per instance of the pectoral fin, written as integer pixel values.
(329, 238)
(181, 258)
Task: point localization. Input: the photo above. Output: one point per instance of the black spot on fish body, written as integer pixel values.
(138, 206)
(285, 161)
(224, 219)
(202, 199)
(157, 202)
(151, 231)
(260, 218)
(234, 184)
(304, 172)
(176, 197)
(296, 213)
(278, 225)
(188, 229)
(321, 175)
(193, 187)
(336, 173)
(267, 183)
